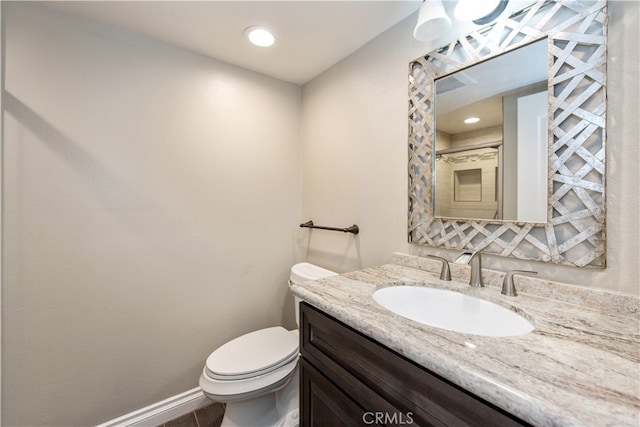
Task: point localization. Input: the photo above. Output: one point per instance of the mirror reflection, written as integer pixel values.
(491, 153)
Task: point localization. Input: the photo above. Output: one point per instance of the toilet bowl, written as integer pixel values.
(256, 373)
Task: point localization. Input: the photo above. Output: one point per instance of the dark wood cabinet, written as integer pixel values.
(348, 379)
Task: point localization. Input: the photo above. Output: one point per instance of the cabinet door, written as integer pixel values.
(323, 404)
(335, 398)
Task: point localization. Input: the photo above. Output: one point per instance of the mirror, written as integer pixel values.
(491, 138)
(566, 221)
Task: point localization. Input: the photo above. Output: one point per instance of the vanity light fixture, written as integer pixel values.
(480, 12)
(471, 120)
(433, 21)
(259, 36)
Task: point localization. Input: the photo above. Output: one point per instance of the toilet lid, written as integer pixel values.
(253, 354)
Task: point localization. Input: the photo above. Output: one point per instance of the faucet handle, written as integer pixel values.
(445, 273)
(508, 287)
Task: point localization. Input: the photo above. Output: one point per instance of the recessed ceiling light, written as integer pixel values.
(471, 120)
(259, 36)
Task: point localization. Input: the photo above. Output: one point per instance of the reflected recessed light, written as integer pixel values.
(259, 36)
(471, 120)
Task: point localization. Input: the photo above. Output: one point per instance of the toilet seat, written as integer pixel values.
(238, 390)
(253, 354)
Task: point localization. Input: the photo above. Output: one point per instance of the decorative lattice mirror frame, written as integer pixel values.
(574, 233)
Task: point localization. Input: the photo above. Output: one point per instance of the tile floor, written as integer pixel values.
(209, 416)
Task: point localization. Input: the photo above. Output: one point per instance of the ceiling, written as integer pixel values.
(311, 36)
(480, 88)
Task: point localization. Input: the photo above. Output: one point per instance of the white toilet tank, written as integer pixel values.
(304, 272)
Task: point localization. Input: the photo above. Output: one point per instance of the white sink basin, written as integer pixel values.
(452, 311)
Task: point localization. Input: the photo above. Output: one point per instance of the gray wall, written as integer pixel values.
(354, 151)
(150, 215)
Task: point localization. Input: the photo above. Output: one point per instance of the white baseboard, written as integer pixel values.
(161, 412)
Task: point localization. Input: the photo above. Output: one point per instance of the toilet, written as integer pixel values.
(256, 374)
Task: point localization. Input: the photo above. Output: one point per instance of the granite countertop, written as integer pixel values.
(580, 365)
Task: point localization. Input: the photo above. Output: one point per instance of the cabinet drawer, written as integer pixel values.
(331, 346)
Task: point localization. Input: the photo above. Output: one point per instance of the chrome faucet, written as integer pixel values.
(474, 260)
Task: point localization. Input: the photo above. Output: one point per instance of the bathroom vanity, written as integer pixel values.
(349, 379)
(363, 364)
